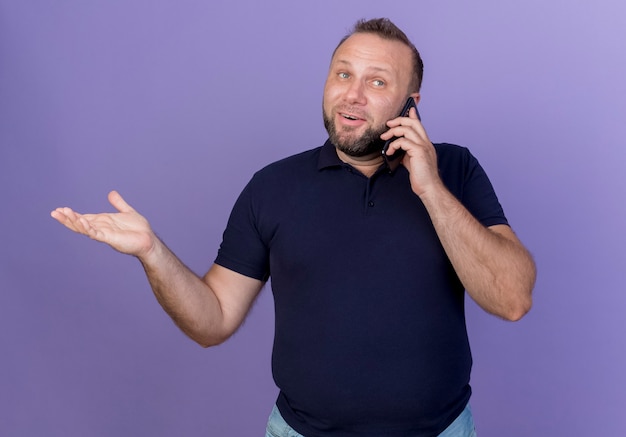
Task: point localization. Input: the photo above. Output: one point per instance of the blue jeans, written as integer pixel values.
(463, 426)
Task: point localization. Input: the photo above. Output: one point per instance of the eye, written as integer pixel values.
(378, 83)
(343, 75)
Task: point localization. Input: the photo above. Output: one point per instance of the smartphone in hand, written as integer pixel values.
(394, 160)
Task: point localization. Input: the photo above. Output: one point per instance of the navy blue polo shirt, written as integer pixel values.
(370, 333)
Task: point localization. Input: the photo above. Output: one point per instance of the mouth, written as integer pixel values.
(352, 119)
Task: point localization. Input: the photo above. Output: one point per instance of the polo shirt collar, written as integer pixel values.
(328, 157)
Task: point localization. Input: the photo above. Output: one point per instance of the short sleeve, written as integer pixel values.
(467, 180)
(243, 249)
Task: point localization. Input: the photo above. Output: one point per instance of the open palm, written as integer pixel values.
(126, 231)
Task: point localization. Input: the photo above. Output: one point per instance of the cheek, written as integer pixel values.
(331, 99)
(387, 109)
(331, 93)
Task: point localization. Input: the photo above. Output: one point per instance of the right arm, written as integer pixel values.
(208, 309)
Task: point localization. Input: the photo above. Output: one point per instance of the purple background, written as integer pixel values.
(176, 104)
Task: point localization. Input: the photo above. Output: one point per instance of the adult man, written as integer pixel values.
(369, 264)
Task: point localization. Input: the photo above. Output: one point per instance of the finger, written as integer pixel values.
(119, 203)
(89, 230)
(395, 130)
(84, 224)
(403, 131)
(408, 127)
(61, 213)
(410, 119)
(57, 215)
(419, 127)
(413, 114)
(66, 217)
(396, 145)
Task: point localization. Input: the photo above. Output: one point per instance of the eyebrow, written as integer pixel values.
(371, 67)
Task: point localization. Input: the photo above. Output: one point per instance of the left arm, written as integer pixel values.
(493, 265)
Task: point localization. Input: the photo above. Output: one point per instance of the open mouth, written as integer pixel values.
(350, 116)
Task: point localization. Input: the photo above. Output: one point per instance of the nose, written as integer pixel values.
(355, 93)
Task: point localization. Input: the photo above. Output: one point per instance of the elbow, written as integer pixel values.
(522, 302)
(517, 313)
(204, 338)
(204, 344)
(207, 342)
(518, 309)
(207, 335)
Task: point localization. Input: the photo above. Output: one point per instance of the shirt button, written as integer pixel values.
(370, 203)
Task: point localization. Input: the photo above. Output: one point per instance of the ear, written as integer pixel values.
(416, 97)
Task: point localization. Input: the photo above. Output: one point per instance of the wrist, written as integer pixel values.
(431, 191)
(154, 250)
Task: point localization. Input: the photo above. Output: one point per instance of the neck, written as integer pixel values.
(365, 164)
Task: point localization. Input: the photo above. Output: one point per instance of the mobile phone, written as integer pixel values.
(393, 161)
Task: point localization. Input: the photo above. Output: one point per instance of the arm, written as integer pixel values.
(493, 265)
(208, 309)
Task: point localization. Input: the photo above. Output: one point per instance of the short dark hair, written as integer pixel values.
(385, 29)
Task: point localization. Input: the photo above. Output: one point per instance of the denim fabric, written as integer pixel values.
(463, 426)
(277, 427)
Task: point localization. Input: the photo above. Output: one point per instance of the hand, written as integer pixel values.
(126, 231)
(420, 158)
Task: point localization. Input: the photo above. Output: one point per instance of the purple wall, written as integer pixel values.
(176, 104)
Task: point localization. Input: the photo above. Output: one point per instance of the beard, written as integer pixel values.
(350, 144)
(368, 143)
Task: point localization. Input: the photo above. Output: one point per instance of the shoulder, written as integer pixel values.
(460, 170)
(282, 176)
(454, 160)
(452, 152)
(467, 180)
(300, 162)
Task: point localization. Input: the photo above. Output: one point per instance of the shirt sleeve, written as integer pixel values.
(243, 249)
(467, 180)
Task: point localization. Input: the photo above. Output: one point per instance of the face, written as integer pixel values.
(367, 85)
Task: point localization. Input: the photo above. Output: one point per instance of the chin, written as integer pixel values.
(360, 147)
(353, 143)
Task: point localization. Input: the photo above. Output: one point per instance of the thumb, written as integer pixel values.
(119, 203)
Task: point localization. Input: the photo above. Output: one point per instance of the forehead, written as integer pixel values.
(370, 50)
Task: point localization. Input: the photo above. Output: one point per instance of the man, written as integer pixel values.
(369, 264)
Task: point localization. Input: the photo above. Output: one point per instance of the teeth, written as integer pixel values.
(349, 117)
